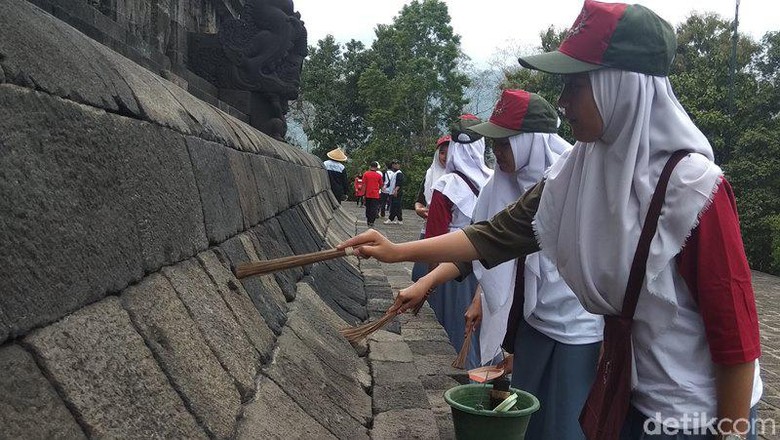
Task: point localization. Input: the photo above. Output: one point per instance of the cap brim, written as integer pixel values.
(491, 130)
(558, 63)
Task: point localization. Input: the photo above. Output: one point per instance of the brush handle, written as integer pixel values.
(270, 266)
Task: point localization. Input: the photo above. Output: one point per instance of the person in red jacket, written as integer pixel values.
(372, 182)
(360, 190)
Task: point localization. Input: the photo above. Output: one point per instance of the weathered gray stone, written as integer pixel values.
(437, 364)
(109, 376)
(239, 302)
(299, 233)
(275, 179)
(178, 346)
(389, 352)
(218, 192)
(424, 335)
(268, 191)
(432, 347)
(41, 52)
(405, 424)
(390, 373)
(400, 395)
(265, 293)
(438, 382)
(318, 327)
(99, 197)
(274, 415)
(385, 336)
(339, 405)
(251, 208)
(209, 125)
(270, 238)
(445, 425)
(156, 103)
(29, 406)
(216, 323)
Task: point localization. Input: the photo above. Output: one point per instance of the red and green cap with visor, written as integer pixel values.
(518, 112)
(611, 35)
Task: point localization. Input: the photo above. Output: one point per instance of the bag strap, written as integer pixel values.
(639, 265)
(468, 182)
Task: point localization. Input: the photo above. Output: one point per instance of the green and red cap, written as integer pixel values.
(611, 35)
(518, 112)
(443, 140)
(460, 130)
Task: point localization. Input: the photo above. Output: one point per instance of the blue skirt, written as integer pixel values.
(450, 302)
(560, 376)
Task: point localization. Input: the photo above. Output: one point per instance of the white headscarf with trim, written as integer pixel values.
(469, 159)
(434, 173)
(533, 154)
(595, 200)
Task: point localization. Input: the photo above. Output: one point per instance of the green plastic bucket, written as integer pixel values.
(476, 424)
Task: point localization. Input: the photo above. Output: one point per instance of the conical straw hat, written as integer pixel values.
(337, 155)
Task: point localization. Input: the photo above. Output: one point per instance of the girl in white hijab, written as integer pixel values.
(452, 203)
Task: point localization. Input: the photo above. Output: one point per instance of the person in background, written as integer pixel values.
(387, 176)
(681, 339)
(452, 204)
(360, 190)
(337, 174)
(396, 188)
(372, 182)
(434, 172)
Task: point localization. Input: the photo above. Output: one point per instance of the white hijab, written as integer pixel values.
(469, 159)
(533, 154)
(434, 173)
(596, 198)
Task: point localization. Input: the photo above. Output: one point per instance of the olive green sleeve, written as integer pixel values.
(465, 268)
(510, 233)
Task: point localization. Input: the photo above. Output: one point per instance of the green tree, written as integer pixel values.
(413, 88)
(329, 108)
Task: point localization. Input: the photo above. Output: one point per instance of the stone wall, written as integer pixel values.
(124, 201)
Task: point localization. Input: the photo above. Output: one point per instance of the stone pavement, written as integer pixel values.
(412, 371)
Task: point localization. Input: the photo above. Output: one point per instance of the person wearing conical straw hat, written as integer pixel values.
(337, 174)
(524, 304)
(681, 340)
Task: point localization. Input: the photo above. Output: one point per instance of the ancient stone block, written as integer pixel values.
(239, 302)
(218, 191)
(278, 181)
(99, 197)
(108, 375)
(267, 189)
(248, 197)
(265, 293)
(339, 405)
(29, 406)
(406, 423)
(318, 327)
(389, 351)
(216, 322)
(177, 344)
(269, 416)
(44, 53)
(269, 237)
(400, 395)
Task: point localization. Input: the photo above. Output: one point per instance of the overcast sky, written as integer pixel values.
(486, 26)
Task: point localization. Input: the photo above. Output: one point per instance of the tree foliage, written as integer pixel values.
(389, 101)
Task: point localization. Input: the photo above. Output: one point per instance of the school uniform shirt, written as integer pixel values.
(372, 182)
